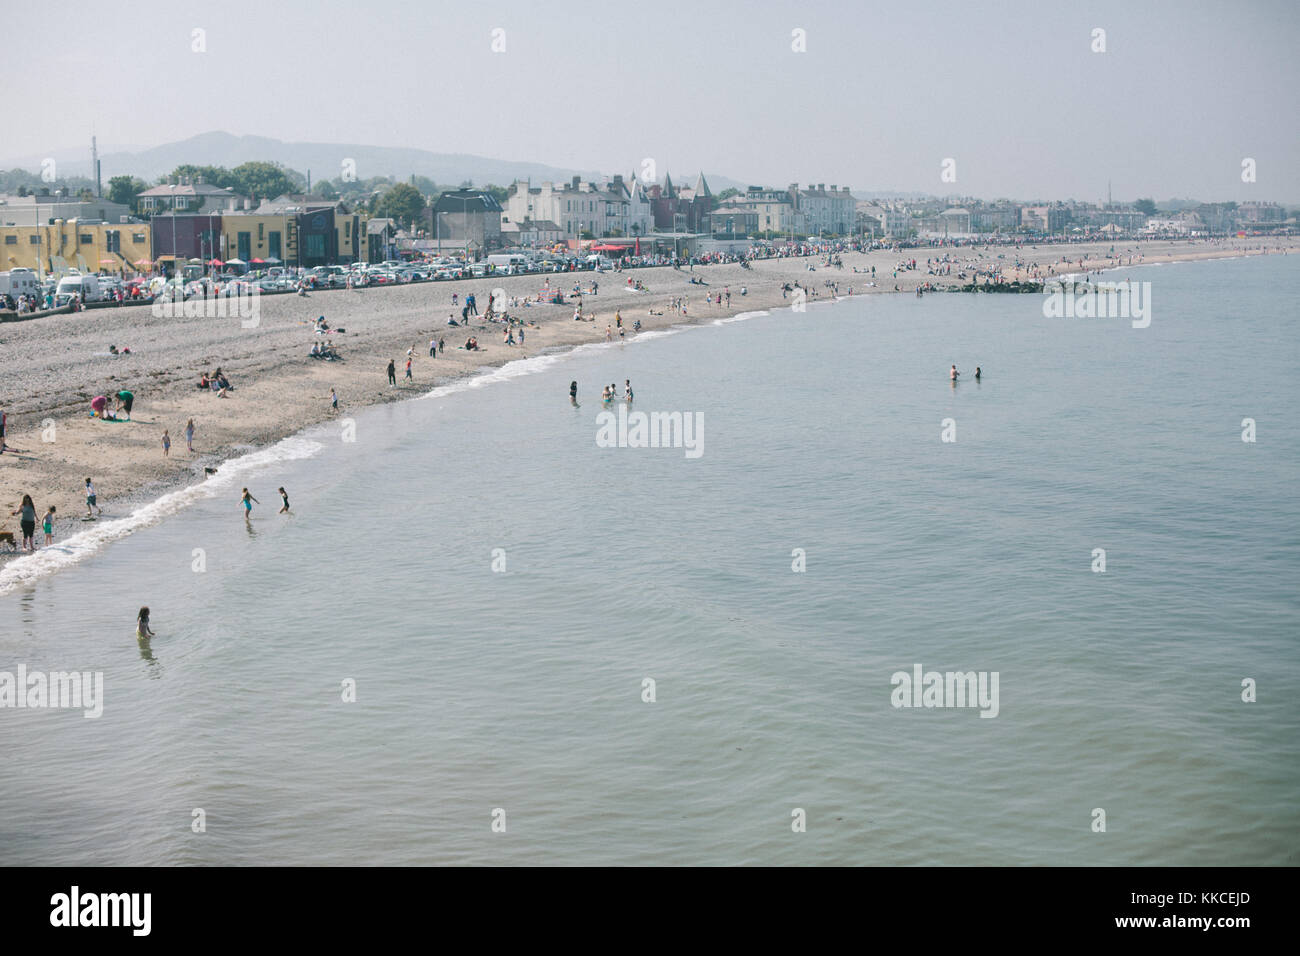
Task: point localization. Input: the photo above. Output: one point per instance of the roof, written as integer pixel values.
(375, 227)
(194, 189)
(467, 200)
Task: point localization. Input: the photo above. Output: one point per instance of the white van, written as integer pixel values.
(85, 286)
(508, 263)
(18, 282)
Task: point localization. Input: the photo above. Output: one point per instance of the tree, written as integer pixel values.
(325, 190)
(402, 202)
(126, 190)
(426, 185)
(1145, 206)
(499, 193)
(211, 175)
(727, 194)
(264, 180)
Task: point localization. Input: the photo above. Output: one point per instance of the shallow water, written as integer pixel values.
(522, 689)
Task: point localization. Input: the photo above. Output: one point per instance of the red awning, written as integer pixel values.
(215, 262)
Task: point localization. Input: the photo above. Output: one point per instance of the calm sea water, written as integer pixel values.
(522, 689)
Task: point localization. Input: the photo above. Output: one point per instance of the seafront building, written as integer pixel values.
(86, 245)
(620, 207)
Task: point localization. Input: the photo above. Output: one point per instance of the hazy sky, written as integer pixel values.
(1012, 91)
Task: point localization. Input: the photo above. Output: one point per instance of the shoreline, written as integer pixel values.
(280, 393)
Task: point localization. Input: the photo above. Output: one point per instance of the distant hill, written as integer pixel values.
(323, 160)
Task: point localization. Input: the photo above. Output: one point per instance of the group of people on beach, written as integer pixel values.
(26, 513)
(217, 383)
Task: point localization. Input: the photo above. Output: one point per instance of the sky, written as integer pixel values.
(878, 98)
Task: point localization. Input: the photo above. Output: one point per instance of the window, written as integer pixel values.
(261, 232)
(34, 240)
(86, 239)
(137, 237)
(11, 240)
(347, 230)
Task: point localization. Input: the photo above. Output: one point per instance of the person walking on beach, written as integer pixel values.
(167, 444)
(247, 500)
(433, 348)
(27, 519)
(408, 371)
(284, 496)
(334, 400)
(392, 373)
(189, 435)
(142, 630)
(609, 334)
(92, 500)
(48, 526)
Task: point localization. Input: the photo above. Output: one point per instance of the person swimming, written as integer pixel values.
(953, 373)
(977, 373)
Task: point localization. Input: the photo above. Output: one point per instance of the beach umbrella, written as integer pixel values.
(236, 262)
(143, 262)
(258, 261)
(215, 262)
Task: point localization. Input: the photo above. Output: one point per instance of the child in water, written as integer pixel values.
(247, 501)
(573, 394)
(284, 496)
(142, 629)
(48, 526)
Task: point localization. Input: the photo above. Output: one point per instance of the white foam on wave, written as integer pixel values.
(72, 550)
(740, 317)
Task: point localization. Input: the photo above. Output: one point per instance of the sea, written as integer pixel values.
(497, 629)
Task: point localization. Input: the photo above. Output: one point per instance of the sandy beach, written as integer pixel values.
(51, 367)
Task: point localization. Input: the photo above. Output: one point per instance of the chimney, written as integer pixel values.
(576, 180)
(821, 187)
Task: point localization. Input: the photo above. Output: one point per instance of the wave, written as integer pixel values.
(29, 568)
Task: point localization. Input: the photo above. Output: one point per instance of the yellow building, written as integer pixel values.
(70, 244)
(250, 236)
